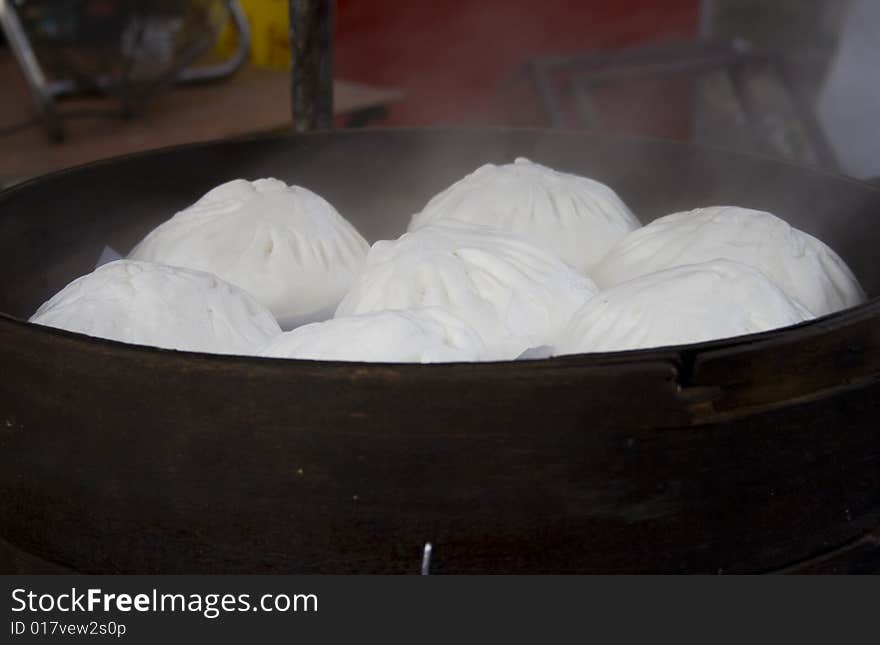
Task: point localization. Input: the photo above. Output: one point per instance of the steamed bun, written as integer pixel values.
(152, 304)
(802, 266)
(687, 304)
(515, 295)
(576, 218)
(285, 245)
(429, 335)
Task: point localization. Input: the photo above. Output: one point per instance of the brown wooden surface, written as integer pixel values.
(801, 366)
(252, 101)
(14, 561)
(862, 555)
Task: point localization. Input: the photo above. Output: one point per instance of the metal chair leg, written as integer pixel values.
(33, 73)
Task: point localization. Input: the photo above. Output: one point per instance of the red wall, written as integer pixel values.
(458, 60)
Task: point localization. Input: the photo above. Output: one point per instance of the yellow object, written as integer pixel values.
(270, 40)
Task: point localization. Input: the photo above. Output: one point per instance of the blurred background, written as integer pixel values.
(793, 79)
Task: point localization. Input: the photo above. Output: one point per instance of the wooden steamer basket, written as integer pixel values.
(752, 454)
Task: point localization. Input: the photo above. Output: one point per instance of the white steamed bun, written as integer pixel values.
(285, 245)
(802, 266)
(515, 295)
(687, 304)
(152, 304)
(429, 335)
(577, 218)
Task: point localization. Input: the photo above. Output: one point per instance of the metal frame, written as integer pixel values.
(46, 92)
(587, 72)
(33, 73)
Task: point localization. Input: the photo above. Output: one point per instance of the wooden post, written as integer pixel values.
(311, 46)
